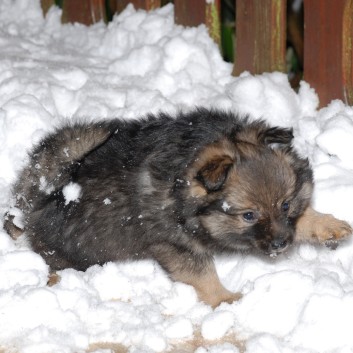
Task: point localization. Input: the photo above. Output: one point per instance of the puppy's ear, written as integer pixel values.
(214, 173)
(258, 133)
(276, 135)
(210, 168)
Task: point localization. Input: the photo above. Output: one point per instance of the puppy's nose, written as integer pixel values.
(279, 244)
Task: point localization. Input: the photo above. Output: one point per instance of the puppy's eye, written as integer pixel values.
(285, 206)
(249, 216)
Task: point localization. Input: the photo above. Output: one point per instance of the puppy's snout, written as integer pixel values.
(279, 244)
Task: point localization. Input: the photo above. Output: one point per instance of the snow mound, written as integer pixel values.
(139, 63)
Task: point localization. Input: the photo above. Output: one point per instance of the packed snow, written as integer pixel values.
(51, 73)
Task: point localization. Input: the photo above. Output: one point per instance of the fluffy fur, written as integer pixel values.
(175, 190)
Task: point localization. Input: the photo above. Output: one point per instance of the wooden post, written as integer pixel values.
(195, 12)
(46, 4)
(83, 11)
(260, 36)
(347, 65)
(328, 56)
(119, 5)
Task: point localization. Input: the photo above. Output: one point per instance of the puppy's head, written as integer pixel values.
(247, 191)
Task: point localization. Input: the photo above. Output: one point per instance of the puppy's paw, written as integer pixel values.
(233, 297)
(323, 228)
(331, 244)
(53, 279)
(215, 299)
(329, 230)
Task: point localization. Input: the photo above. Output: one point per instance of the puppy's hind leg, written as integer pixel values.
(196, 270)
(10, 227)
(53, 279)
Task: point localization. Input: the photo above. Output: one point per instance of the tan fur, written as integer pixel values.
(211, 152)
(197, 341)
(313, 226)
(177, 346)
(53, 279)
(11, 228)
(208, 286)
(110, 347)
(197, 190)
(211, 163)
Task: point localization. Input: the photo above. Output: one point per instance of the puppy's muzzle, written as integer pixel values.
(278, 245)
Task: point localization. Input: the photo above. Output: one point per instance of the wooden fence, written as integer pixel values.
(261, 35)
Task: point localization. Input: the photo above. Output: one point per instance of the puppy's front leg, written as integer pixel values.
(196, 270)
(313, 226)
(208, 286)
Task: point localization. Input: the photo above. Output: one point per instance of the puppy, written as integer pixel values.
(177, 190)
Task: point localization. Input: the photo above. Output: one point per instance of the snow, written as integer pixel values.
(219, 348)
(215, 325)
(50, 73)
(72, 192)
(107, 201)
(225, 206)
(179, 328)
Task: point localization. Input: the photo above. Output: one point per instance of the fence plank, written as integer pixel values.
(328, 48)
(347, 65)
(196, 12)
(46, 4)
(260, 36)
(84, 11)
(119, 5)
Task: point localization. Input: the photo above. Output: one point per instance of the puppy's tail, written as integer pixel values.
(54, 160)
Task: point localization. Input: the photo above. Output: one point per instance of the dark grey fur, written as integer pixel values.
(179, 190)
